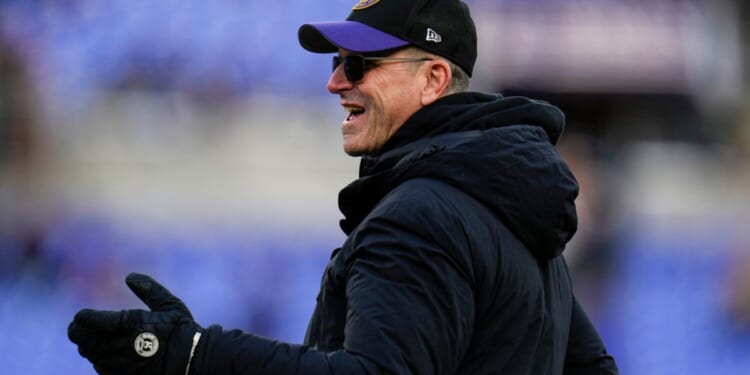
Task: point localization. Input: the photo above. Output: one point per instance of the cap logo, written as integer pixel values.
(364, 4)
(433, 36)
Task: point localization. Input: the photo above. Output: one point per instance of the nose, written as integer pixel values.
(338, 81)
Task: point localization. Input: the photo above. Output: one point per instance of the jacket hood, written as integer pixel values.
(498, 150)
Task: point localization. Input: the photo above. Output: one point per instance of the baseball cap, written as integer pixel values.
(442, 27)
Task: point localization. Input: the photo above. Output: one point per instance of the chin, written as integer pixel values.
(351, 151)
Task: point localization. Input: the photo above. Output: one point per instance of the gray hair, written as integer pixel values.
(460, 80)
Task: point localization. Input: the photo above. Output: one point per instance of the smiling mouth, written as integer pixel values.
(353, 112)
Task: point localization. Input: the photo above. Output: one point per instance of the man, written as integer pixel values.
(455, 228)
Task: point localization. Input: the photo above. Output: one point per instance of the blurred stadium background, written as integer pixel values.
(195, 141)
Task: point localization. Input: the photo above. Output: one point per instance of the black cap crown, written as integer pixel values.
(443, 27)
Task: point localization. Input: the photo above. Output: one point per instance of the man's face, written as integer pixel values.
(378, 104)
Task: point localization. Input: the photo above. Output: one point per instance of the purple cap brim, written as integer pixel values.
(326, 37)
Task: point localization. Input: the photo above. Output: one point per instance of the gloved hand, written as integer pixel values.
(156, 342)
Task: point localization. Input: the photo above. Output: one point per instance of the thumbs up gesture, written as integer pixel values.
(156, 342)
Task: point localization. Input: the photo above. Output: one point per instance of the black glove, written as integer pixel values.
(156, 342)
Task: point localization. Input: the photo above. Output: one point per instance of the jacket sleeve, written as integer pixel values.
(235, 352)
(586, 354)
(409, 311)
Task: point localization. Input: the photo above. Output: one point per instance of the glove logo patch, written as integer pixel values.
(146, 344)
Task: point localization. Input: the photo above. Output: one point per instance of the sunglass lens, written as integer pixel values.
(354, 66)
(335, 63)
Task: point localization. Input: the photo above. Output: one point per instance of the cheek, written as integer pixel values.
(400, 105)
(391, 104)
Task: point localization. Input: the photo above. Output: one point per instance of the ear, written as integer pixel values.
(438, 77)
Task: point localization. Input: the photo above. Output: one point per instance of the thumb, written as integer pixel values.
(154, 295)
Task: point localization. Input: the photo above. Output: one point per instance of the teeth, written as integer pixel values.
(352, 109)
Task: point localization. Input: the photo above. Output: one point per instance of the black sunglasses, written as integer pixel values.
(355, 66)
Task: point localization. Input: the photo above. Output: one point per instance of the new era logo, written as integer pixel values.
(433, 36)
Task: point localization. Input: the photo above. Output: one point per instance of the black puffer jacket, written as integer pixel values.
(452, 263)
